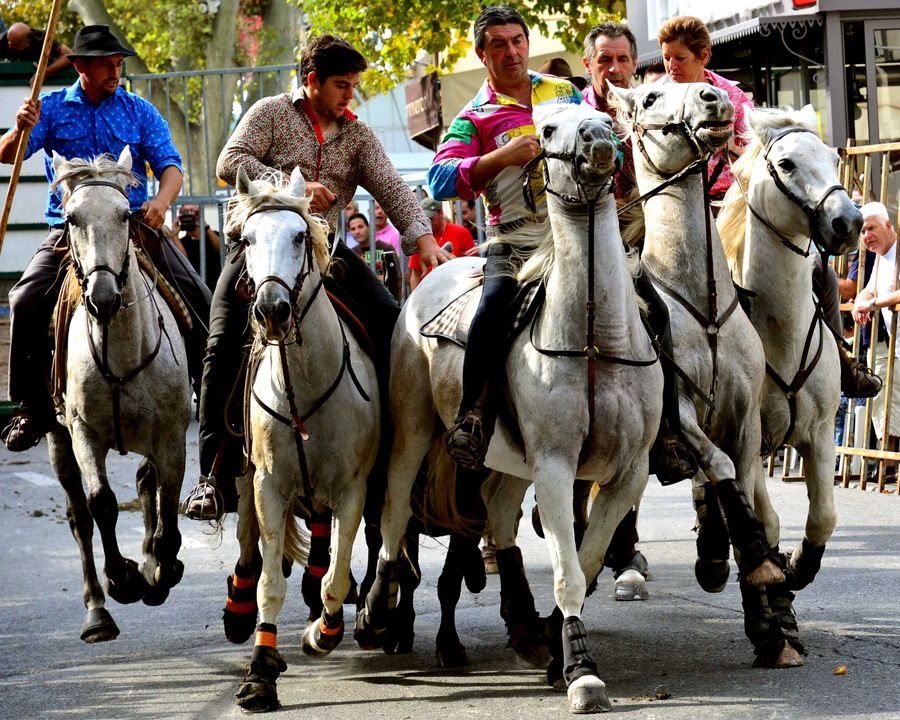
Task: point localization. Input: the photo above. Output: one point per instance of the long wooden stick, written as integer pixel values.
(23, 138)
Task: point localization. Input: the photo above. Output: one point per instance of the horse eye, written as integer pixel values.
(548, 132)
(786, 165)
(649, 100)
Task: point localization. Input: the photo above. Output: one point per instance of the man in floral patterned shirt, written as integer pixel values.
(310, 128)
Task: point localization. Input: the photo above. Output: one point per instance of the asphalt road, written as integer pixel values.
(174, 662)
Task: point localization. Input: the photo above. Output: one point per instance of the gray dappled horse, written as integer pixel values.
(550, 396)
(127, 387)
(768, 247)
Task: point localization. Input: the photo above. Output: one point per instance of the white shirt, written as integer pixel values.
(881, 282)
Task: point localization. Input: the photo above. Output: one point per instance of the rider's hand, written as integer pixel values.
(154, 213)
(28, 115)
(430, 254)
(521, 149)
(322, 198)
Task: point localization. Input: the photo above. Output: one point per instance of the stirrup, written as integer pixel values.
(466, 442)
(24, 431)
(204, 501)
(676, 462)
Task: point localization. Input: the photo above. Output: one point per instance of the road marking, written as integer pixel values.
(37, 479)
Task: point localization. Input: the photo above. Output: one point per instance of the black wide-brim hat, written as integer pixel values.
(94, 41)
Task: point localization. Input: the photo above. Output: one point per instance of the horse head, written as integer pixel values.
(580, 150)
(96, 208)
(277, 240)
(794, 168)
(675, 124)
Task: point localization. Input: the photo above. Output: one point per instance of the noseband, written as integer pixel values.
(122, 275)
(676, 125)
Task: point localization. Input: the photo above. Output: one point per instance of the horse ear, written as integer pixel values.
(755, 122)
(125, 159)
(625, 97)
(243, 184)
(298, 184)
(58, 161)
(809, 118)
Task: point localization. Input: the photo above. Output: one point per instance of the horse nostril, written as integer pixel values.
(259, 315)
(840, 227)
(282, 312)
(115, 305)
(708, 95)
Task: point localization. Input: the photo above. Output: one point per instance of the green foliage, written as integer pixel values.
(393, 35)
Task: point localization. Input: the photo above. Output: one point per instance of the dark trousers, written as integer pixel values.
(229, 334)
(487, 344)
(34, 297)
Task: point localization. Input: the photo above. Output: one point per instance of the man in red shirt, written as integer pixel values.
(443, 232)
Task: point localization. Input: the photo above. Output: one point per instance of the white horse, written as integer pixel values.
(673, 129)
(126, 388)
(550, 396)
(786, 167)
(314, 416)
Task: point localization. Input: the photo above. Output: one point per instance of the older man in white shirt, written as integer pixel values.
(880, 293)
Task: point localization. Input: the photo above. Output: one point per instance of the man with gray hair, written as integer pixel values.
(610, 53)
(879, 237)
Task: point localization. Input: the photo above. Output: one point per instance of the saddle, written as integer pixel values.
(453, 321)
(69, 300)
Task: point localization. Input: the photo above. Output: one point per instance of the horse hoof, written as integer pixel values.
(366, 635)
(788, 658)
(258, 696)
(239, 627)
(129, 586)
(399, 643)
(768, 573)
(631, 585)
(318, 640)
(454, 656)
(712, 575)
(171, 577)
(529, 642)
(588, 695)
(99, 626)
(555, 678)
(155, 595)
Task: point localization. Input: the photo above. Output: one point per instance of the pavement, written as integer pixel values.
(680, 654)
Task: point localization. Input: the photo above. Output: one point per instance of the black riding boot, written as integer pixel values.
(467, 440)
(670, 459)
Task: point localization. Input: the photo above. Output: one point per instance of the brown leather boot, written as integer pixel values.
(670, 459)
(26, 429)
(857, 381)
(466, 441)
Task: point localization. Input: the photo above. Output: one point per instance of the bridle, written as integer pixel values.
(306, 265)
(295, 420)
(678, 125)
(590, 351)
(811, 211)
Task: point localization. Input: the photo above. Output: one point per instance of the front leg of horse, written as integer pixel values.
(124, 581)
(162, 482)
(258, 691)
(449, 651)
(321, 637)
(98, 624)
(748, 536)
(241, 611)
(554, 479)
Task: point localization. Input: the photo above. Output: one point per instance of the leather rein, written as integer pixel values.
(101, 357)
(590, 351)
(295, 420)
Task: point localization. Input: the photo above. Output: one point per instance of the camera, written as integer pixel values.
(188, 221)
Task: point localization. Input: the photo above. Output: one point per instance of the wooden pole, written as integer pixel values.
(23, 138)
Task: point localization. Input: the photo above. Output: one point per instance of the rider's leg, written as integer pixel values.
(31, 304)
(670, 459)
(228, 325)
(196, 296)
(467, 440)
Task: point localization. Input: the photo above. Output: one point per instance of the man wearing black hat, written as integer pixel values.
(92, 117)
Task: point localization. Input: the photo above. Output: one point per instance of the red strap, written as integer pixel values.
(241, 607)
(266, 638)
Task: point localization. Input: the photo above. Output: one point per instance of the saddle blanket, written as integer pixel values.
(453, 321)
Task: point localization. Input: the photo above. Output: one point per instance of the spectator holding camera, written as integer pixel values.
(187, 233)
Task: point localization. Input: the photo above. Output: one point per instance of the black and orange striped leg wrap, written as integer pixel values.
(258, 693)
(324, 635)
(319, 559)
(239, 617)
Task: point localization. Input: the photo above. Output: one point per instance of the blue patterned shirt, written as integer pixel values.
(74, 127)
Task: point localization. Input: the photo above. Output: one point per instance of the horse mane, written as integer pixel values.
(272, 189)
(75, 171)
(732, 220)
